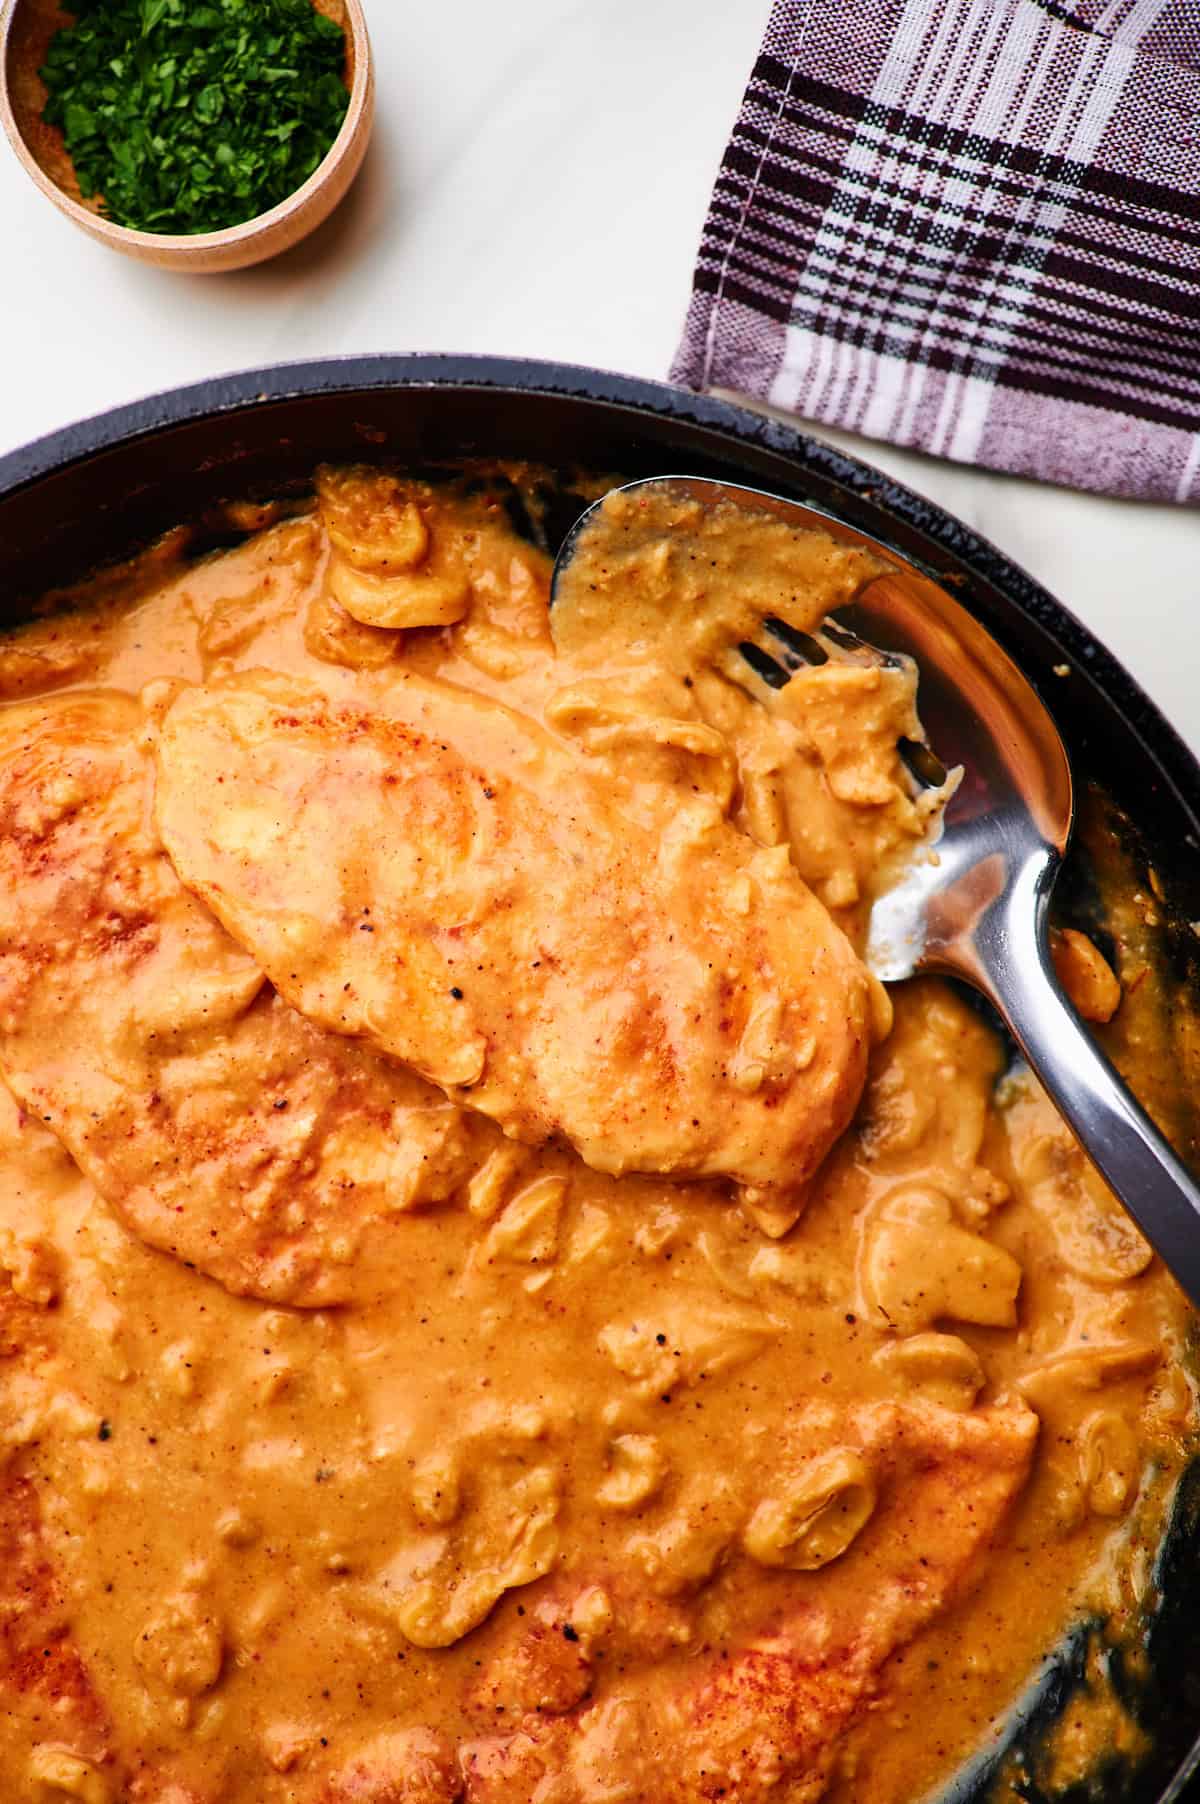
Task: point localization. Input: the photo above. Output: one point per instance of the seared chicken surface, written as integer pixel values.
(763, 1726)
(437, 876)
(221, 1126)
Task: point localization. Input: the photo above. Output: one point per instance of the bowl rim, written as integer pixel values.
(181, 243)
(242, 391)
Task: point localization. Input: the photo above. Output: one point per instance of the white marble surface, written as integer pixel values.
(536, 186)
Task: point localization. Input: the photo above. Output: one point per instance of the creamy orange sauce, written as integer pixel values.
(356, 1450)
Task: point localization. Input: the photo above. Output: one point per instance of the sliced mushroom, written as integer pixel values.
(527, 1231)
(1109, 1463)
(1095, 1238)
(436, 1491)
(816, 1516)
(940, 1367)
(395, 602)
(919, 1267)
(492, 1184)
(637, 1466)
(774, 1213)
(333, 636)
(652, 719)
(57, 1776)
(462, 1577)
(681, 1554)
(1088, 1368)
(372, 525)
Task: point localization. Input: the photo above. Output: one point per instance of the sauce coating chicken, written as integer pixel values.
(763, 1726)
(222, 1126)
(438, 877)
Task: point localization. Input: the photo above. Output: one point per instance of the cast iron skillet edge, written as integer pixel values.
(848, 483)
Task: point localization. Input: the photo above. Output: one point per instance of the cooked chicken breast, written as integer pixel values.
(763, 1723)
(441, 878)
(219, 1124)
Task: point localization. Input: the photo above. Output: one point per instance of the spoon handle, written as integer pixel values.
(1012, 965)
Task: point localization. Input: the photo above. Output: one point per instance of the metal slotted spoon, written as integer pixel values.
(976, 906)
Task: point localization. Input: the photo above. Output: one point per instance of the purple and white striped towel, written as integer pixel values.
(972, 227)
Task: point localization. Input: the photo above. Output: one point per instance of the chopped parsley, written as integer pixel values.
(187, 117)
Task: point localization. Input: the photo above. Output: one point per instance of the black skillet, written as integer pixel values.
(100, 490)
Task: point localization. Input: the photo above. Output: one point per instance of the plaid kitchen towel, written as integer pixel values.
(972, 227)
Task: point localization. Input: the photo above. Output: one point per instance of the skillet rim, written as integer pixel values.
(244, 390)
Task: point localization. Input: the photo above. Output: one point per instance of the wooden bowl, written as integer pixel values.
(25, 33)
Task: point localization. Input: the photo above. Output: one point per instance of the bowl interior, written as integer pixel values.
(31, 26)
(34, 23)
